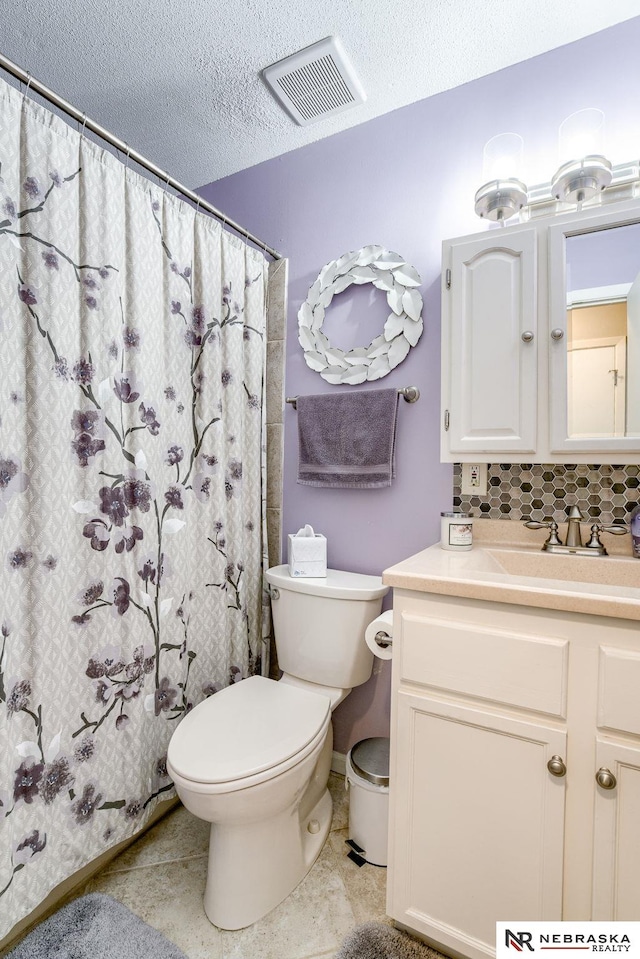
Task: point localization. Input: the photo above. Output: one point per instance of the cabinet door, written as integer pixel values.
(477, 823)
(616, 868)
(489, 371)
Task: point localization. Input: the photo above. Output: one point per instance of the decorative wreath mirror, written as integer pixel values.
(402, 330)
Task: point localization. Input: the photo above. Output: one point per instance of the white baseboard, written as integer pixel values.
(338, 763)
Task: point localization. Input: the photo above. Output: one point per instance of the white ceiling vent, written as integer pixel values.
(315, 82)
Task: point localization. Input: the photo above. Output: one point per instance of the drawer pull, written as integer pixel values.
(557, 767)
(606, 779)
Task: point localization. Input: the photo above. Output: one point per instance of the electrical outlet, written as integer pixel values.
(474, 479)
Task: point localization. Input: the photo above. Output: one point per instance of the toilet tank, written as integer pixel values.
(319, 625)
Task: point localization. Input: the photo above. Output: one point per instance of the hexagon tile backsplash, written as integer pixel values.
(546, 491)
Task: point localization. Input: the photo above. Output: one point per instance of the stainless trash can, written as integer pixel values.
(368, 783)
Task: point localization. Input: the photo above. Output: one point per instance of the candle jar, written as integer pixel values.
(456, 531)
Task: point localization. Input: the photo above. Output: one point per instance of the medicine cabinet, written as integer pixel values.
(541, 340)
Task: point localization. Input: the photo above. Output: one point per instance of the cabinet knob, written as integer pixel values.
(527, 336)
(557, 334)
(557, 767)
(606, 779)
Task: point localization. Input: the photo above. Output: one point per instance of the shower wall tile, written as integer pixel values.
(546, 491)
(277, 291)
(274, 388)
(275, 380)
(274, 526)
(277, 305)
(274, 465)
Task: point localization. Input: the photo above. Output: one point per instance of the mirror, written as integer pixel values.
(603, 332)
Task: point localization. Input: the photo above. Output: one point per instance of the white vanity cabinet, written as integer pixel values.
(502, 715)
(528, 373)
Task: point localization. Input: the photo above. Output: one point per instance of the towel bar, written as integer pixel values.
(410, 393)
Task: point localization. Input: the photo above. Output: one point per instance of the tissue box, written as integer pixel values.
(307, 553)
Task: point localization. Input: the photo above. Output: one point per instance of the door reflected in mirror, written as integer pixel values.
(603, 332)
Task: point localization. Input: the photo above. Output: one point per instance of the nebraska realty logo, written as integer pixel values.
(564, 937)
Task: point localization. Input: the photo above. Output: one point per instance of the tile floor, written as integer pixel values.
(161, 879)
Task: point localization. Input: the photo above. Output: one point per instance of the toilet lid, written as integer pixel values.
(245, 729)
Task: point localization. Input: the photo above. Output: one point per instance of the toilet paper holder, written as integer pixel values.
(379, 635)
(383, 639)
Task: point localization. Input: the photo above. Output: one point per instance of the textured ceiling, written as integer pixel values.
(180, 81)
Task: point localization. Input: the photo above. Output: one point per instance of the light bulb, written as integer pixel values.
(503, 194)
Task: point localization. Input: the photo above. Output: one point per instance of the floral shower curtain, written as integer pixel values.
(132, 334)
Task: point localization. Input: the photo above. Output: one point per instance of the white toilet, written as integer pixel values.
(254, 759)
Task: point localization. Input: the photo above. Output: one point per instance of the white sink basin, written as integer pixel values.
(599, 570)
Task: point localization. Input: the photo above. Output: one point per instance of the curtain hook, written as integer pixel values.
(126, 162)
(84, 123)
(26, 89)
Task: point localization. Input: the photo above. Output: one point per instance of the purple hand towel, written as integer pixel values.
(347, 440)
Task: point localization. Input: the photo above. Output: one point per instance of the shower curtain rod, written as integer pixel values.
(123, 147)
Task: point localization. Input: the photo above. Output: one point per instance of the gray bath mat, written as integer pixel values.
(377, 940)
(95, 927)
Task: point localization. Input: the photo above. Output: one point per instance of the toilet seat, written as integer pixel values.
(248, 732)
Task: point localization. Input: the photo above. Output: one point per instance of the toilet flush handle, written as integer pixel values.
(274, 592)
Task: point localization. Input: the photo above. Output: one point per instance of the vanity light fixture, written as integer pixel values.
(503, 194)
(501, 199)
(579, 180)
(582, 135)
(589, 178)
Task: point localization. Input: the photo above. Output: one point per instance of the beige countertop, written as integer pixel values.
(507, 565)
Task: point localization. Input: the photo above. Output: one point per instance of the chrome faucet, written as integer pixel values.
(574, 535)
(574, 544)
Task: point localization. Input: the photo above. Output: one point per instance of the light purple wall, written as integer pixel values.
(407, 181)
